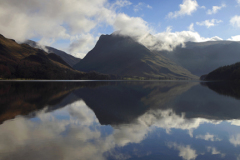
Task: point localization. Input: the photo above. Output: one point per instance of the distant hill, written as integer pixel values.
(114, 54)
(204, 57)
(24, 61)
(71, 60)
(229, 72)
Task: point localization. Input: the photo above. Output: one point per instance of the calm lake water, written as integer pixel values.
(119, 120)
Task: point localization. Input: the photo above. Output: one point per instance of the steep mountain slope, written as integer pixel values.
(202, 58)
(114, 54)
(71, 60)
(24, 61)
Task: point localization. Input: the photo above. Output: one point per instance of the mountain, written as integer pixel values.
(203, 57)
(119, 55)
(24, 61)
(71, 60)
(229, 73)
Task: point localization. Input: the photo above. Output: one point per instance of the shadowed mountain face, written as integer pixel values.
(118, 103)
(24, 61)
(114, 54)
(202, 58)
(69, 59)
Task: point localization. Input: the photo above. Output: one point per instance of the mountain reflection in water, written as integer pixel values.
(119, 120)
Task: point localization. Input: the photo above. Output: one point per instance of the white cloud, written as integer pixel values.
(148, 6)
(168, 119)
(138, 29)
(214, 151)
(186, 152)
(121, 3)
(71, 138)
(52, 20)
(234, 38)
(81, 112)
(168, 40)
(216, 38)
(191, 27)
(209, 23)
(187, 8)
(235, 21)
(139, 6)
(208, 137)
(235, 121)
(238, 1)
(75, 21)
(215, 9)
(82, 44)
(134, 133)
(55, 19)
(235, 140)
(130, 26)
(47, 136)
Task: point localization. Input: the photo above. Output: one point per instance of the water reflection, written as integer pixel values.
(117, 120)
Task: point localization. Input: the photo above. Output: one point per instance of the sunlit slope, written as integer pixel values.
(123, 56)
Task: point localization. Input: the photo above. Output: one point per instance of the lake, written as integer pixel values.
(119, 120)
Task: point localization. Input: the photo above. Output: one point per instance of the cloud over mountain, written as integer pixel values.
(83, 21)
(52, 19)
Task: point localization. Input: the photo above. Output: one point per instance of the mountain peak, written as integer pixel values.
(123, 56)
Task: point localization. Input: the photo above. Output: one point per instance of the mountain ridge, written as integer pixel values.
(203, 57)
(69, 59)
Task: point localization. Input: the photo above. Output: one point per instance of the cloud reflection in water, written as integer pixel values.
(75, 132)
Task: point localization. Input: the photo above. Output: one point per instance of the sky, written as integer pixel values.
(75, 26)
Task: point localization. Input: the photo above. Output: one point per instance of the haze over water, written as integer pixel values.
(119, 120)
